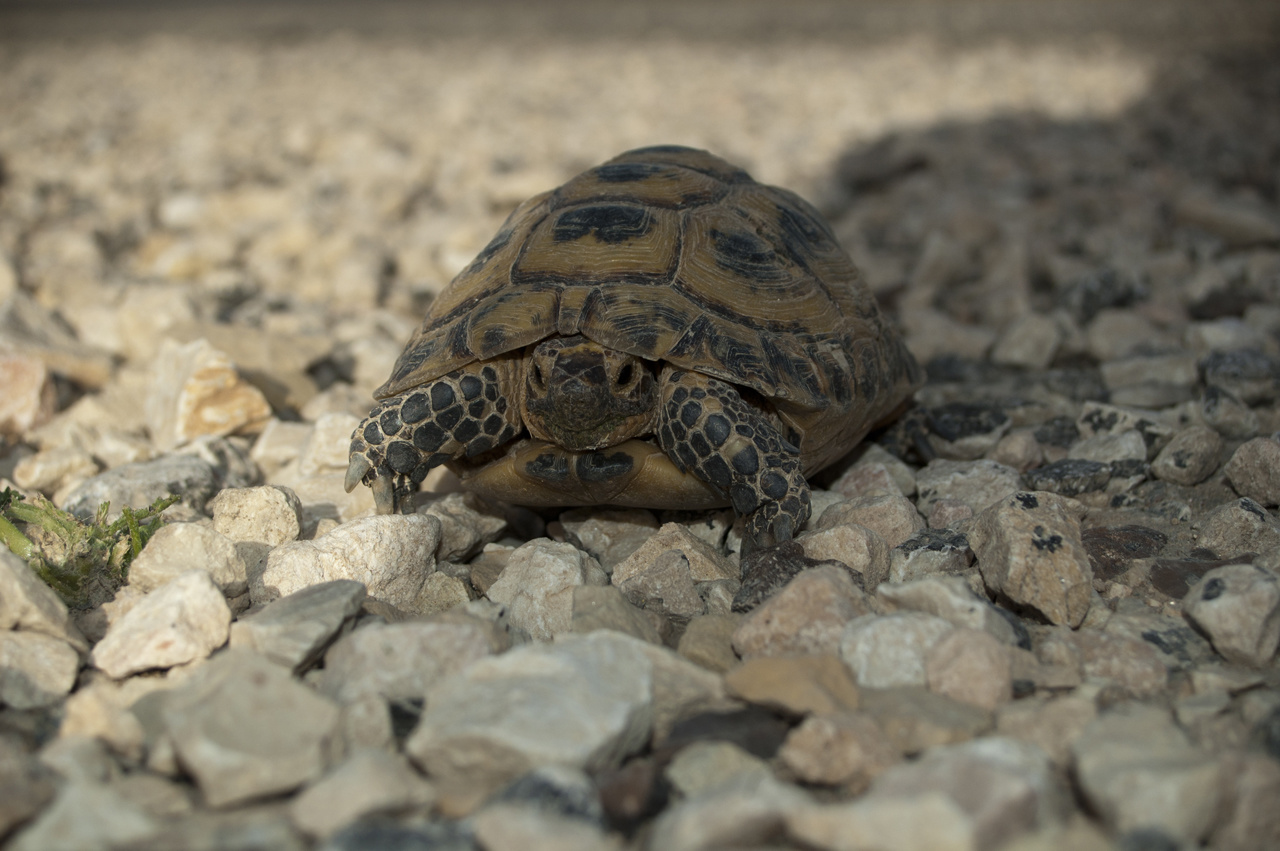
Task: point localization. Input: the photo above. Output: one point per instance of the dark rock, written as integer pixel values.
(1112, 549)
(1087, 294)
(1059, 431)
(563, 792)
(1266, 734)
(1147, 839)
(1069, 477)
(634, 792)
(383, 835)
(767, 570)
(1249, 374)
(757, 731)
(956, 420)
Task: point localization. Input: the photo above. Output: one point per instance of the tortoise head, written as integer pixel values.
(581, 395)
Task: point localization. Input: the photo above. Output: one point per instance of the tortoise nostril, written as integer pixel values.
(625, 375)
(538, 381)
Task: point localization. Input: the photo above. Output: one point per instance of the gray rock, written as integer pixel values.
(1247, 373)
(1127, 445)
(1007, 787)
(182, 621)
(603, 607)
(1254, 470)
(860, 548)
(1155, 380)
(26, 785)
(245, 729)
(1049, 723)
(929, 822)
(139, 485)
(670, 571)
(970, 666)
(1098, 418)
(292, 631)
(914, 719)
(702, 766)
(1238, 607)
(36, 670)
(1240, 526)
(846, 749)
(795, 685)
(1137, 770)
(893, 518)
(1069, 477)
(873, 462)
(889, 650)
(932, 552)
(86, 817)
(732, 815)
(1030, 341)
(1190, 457)
(1029, 549)
(29, 605)
(1252, 819)
(808, 616)
(177, 548)
(1223, 411)
(537, 586)
(585, 701)
(977, 484)
(950, 598)
(257, 519)
(1237, 223)
(707, 641)
(513, 827)
(369, 782)
(467, 523)
(391, 554)
(610, 535)
(406, 660)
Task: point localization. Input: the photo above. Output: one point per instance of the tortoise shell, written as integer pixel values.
(672, 254)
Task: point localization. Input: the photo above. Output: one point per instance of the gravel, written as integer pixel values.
(1042, 608)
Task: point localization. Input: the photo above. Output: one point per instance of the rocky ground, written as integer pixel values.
(1041, 612)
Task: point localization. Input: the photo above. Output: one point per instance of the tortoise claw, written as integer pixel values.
(356, 471)
(384, 494)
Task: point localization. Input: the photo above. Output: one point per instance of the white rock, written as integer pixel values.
(196, 392)
(951, 598)
(732, 815)
(467, 523)
(27, 393)
(180, 622)
(537, 585)
(928, 822)
(584, 701)
(28, 604)
(35, 669)
(180, 547)
(889, 650)
(327, 447)
(391, 554)
(893, 517)
(270, 515)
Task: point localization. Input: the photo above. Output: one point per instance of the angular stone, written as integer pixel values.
(1127, 445)
(369, 782)
(1113, 549)
(584, 701)
(610, 535)
(1238, 607)
(440, 593)
(767, 570)
(976, 484)
(1031, 341)
(1098, 418)
(702, 766)
(197, 391)
(914, 719)
(54, 470)
(467, 523)
(391, 554)
(1228, 415)
(807, 617)
(1007, 787)
(884, 651)
(140, 484)
(182, 621)
(929, 822)
(838, 749)
(950, 598)
(1190, 457)
(857, 546)
(794, 685)
(86, 816)
(732, 815)
(177, 548)
(29, 605)
(681, 689)
(708, 641)
(1240, 526)
(36, 670)
(245, 729)
(328, 445)
(1137, 770)
(1029, 549)
(538, 582)
(405, 660)
(1069, 477)
(874, 462)
(894, 518)
(1051, 724)
(970, 666)
(604, 607)
(292, 631)
(931, 552)
(1127, 662)
(257, 519)
(1254, 470)
(27, 393)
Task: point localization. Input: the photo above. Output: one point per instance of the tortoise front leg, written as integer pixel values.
(708, 430)
(464, 413)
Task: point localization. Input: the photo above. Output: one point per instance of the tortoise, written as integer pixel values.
(661, 332)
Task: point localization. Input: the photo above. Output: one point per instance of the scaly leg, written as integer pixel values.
(708, 430)
(464, 413)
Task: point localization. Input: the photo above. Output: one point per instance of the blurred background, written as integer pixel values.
(294, 181)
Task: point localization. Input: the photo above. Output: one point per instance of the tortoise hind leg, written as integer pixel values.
(708, 430)
(464, 413)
